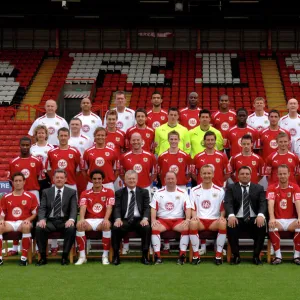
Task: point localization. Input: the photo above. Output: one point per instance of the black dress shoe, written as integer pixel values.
(235, 260)
(64, 262)
(41, 262)
(145, 261)
(257, 261)
(23, 263)
(218, 261)
(116, 260)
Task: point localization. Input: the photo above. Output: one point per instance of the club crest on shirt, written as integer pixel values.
(117, 139)
(106, 153)
(177, 197)
(32, 164)
(24, 202)
(126, 118)
(231, 118)
(162, 117)
(103, 198)
(70, 155)
(93, 121)
(147, 135)
(289, 194)
(214, 195)
(290, 160)
(145, 159)
(81, 142)
(57, 123)
(180, 159)
(217, 160)
(253, 162)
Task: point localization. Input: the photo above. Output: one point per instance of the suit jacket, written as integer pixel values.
(69, 203)
(234, 195)
(121, 203)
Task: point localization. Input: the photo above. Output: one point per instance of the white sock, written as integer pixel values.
(194, 238)
(15, 248)
(54, 243)
(155, 239)
(220, 242)
(82, 253)
(184, 241)
(126, 246)
(296, 254)
(166, 246)
(278, 253)
(105, 253)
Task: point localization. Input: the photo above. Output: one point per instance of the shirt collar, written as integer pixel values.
(129, 190)
(241, 184)
(62, 190)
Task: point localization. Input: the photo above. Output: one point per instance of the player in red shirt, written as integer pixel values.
(249, 159)
(18, 210)
(156, 116)
(103, 158)
(30, 166)
(213, 157)
(147, 133)
(224, 119)
(282, 156)
(65, 157)
(284, 211)
(267, 137)
(236, 133)
(174, 160)
(115, 139)
(189, 116)
(143, 162)
(96, 207)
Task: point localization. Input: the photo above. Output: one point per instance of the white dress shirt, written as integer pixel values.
(61, 196)
(136, 210)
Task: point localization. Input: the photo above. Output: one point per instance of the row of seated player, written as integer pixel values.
(205, 209)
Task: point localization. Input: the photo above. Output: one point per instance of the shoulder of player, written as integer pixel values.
(237, 155)
(120, 132)
(252, 129)
(78, 116)
(264, 131)
(197, 187)
(15, 159)
(91, 148)
(266, 114)
(255, 155)
(95, 116)
(29, 194)
(200, 154)
(251, 115)
(59, 118)
(129, 110)
(109, 148)
(233, 128)
(163, 154)
(284, 117)
(161, 190)
(164, 112)
(232, 112)
(183, 109)
(292, 154)
(147, 153)
(130, 129)
(218, 188)
(84, 137)
(40, 118)
(34, 158)
(7, 195)
(180, 190)
(219, 153)
(182, 153)
(150, 129)
(128, 153)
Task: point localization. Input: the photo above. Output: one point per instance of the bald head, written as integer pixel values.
(292, 106)
(50, 107)
(193, 100)
(136, 141)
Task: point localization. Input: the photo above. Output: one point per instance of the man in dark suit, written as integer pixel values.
(131, 213)
(57, 212)
(246, 208)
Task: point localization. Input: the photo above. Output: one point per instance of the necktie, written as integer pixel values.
(57, 205)
(246, 204)
(130, 215)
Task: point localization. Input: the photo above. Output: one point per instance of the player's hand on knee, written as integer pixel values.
(106, 224)
(155, 223)
(222, 220)
(185, 224)
(272, 223)
(196, 219)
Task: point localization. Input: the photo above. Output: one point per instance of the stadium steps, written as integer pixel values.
(113, 97)
(272, 83)
(38, 87)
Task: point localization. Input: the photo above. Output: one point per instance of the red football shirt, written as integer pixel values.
(275, 159)
(189, 118)
(105, 159)
(284, 206)
(96, 202)
(143, 163)
(147, 135)
(68, 160)
(180, 163)
(31, 167)
(224, 121)
(234, 137)
(156, 119)
(18, 208)
(219, 160)
(116, 141)
(254, 161)
(268, 141)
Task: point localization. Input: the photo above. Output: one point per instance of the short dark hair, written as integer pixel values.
(284, 166)
(209, 133)
(60, 171)
(224, 95)
(275, 111)
(245, 168)
(156, 93)
(242, 109)
(120, 93)
(173, 109)
(25, 139)
(142, 110)
(18, 174)
(204, 111)
(97, 171)
(64, 129)
(76, 119)
(247, 136)
(173, 132)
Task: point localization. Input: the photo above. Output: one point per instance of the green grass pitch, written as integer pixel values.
(132, 280)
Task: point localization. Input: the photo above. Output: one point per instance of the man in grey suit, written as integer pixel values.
(57, 212)
(131, 213)
(246, 209)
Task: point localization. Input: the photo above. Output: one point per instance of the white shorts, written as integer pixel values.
(37, 194)
(94, 223)
(15, 224)
(285, 223)
(109, 185)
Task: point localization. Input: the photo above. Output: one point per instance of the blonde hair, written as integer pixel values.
(37, 128)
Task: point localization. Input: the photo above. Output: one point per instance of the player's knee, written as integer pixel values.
(26, 228)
